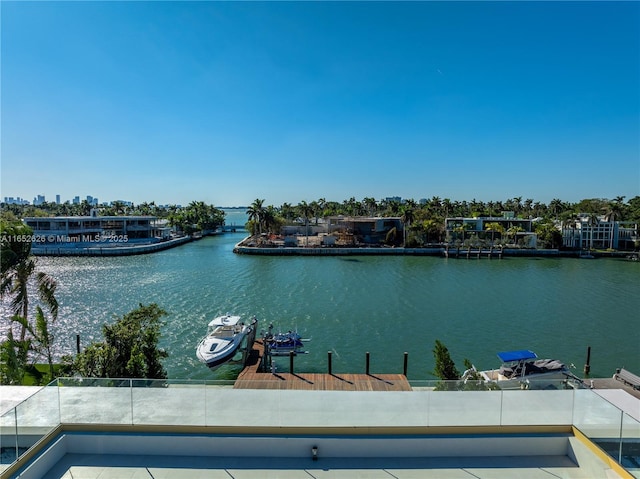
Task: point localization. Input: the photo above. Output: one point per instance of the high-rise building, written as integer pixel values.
(57, 199)
(10, 200)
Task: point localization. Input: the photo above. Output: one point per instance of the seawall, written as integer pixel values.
(107, 249)
(397, 251)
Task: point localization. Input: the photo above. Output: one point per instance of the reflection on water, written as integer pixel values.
(383, 305)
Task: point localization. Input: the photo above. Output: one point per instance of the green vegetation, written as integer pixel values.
(129, 350)
(17, 274)
(425, 221)
(196, 216)
(450, 376)
(445, 367)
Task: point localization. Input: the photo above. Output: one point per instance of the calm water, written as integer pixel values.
(384, 305)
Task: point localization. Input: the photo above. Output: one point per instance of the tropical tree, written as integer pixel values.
(494, 227)
(13, 251)
(255, 213)
(407, 217)
(513, 232)
(17, 275)
(612, 212)
(305, 211)
(432, 229)
(445, 367)
(18, 272)
(556, 207)
(13, 359)
(548, 235)
(569, 220)
(370, 205)
(270, 218)
(592, 221)
(129, 350)
(40, 342)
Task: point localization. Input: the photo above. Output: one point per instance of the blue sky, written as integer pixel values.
(227, 102)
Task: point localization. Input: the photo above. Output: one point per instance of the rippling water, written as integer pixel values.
(384, 305)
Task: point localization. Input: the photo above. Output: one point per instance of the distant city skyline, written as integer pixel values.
(40, 199)
(226, 102)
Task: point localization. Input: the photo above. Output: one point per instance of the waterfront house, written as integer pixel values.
(94, 228)
(518, 230)
(367, 230)
(598, 232)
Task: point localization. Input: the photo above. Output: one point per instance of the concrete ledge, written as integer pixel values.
(175, 442)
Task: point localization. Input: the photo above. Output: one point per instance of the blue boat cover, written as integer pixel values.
(520, 355)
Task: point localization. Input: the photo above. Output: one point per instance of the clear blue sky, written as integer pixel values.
(228, 102)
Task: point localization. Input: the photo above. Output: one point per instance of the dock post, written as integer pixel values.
(291, 362)
(406, 363)
(587, 366)
(78, 343)
(329, 363)
(367, 362)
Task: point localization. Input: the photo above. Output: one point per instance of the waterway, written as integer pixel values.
(352, 305)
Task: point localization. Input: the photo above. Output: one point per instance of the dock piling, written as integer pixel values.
(367, 355)
(587, 366)
(329, 363)
(406, 363)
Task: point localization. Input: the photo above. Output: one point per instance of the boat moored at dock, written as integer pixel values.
(522, 369)
(228, 339)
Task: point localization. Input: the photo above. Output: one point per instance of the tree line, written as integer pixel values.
(196, 216)
(425, 220)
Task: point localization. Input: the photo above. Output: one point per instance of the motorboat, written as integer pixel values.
(228, 339)
(281, 344)
(523, 370)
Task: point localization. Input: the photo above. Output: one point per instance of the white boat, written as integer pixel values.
(523, 370)
(228, 339)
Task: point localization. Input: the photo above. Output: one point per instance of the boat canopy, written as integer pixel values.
(226, 320)
(521, 355)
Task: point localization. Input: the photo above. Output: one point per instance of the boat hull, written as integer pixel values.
(223, 344)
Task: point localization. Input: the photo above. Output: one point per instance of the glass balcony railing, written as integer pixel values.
(218, 403)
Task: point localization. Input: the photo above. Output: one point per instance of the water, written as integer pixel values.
(384, 305)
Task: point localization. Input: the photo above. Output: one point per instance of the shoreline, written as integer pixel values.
(109, 249)
(442, 251)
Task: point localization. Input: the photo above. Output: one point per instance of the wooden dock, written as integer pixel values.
(252, 378)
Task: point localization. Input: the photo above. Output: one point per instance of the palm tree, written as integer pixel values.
(370, 204)
(15, 282)
(493, 227)
(513, 232)
(269, 218)
(593, 221)
(613, 211)
(570, 222)
(306, 210)
(446, 206)
(407, 217)
(256, 213)
(556, 206)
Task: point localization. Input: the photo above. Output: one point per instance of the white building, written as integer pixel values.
(597, 232)
(80, 229)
